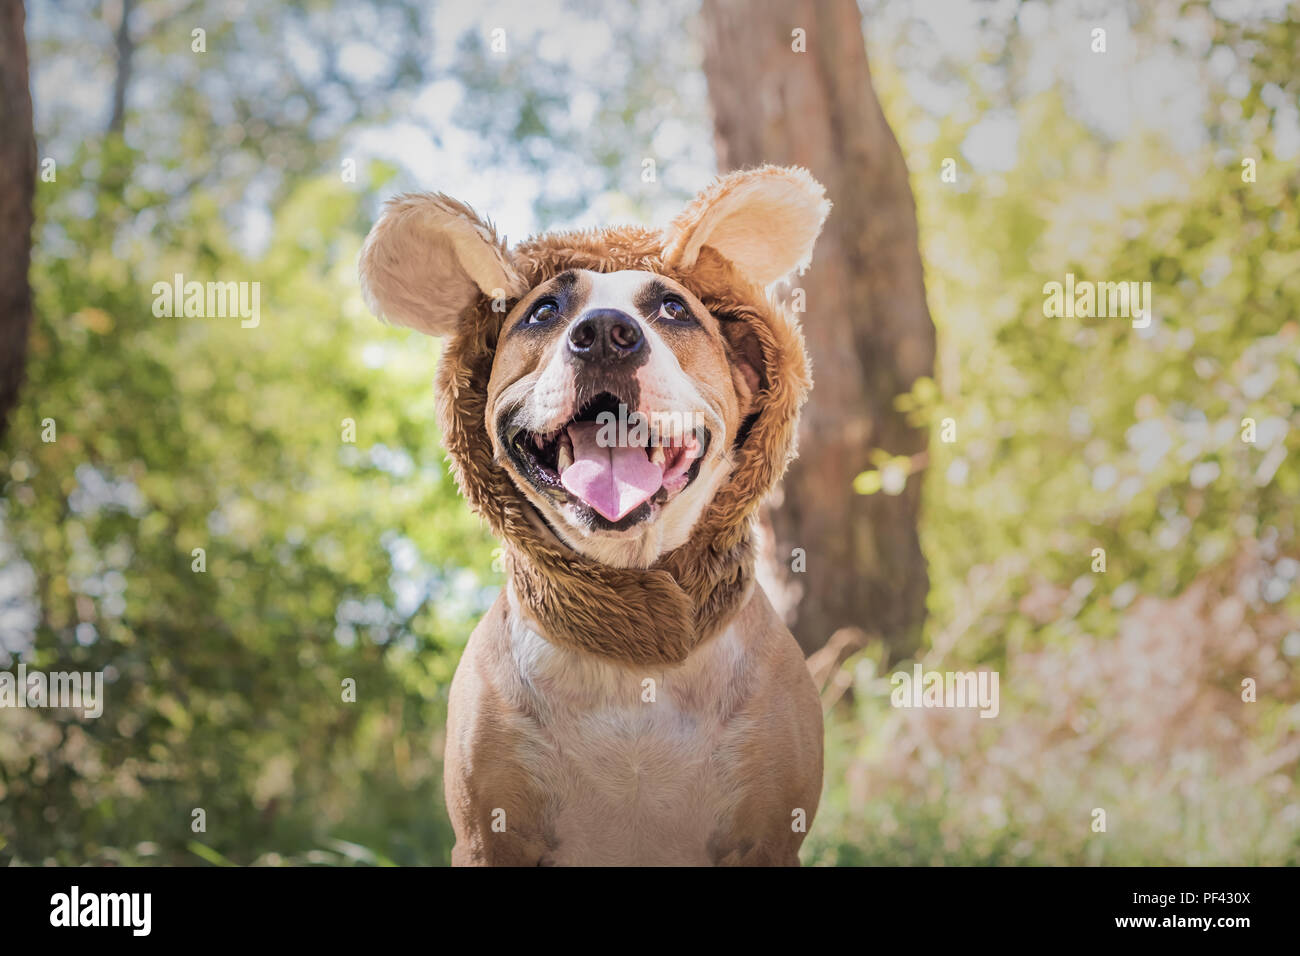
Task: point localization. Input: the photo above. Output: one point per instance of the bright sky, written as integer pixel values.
(1128, 89)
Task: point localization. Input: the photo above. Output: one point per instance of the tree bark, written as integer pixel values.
(17, 189)
(867, 325)
(124, 48)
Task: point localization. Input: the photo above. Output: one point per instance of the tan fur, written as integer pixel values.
(764, 222)
(547, 721)
(428, 259)
(586, 772)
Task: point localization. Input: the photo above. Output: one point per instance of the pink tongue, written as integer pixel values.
(612, 480)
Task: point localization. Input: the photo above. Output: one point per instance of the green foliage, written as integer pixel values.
(325, 560)
(1074, 434)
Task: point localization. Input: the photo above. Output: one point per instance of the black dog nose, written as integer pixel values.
(605, 335)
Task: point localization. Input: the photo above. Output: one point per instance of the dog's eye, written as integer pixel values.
(543, 311)
(674, 310)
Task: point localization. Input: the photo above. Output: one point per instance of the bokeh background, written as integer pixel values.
(328, 559)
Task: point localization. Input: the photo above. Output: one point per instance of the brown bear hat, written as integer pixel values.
(432, 264)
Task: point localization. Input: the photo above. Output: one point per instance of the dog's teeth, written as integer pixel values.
(563, 457)
(657, 455)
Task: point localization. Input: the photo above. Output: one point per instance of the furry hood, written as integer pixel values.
(746, 231)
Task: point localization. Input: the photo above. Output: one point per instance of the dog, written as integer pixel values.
(616, 403)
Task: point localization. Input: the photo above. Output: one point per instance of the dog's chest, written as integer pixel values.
(633, 759)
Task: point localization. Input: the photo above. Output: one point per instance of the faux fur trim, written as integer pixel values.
(649, 616)
(407, 276)
(735, 216)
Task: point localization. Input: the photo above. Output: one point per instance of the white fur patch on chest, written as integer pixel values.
(632, 757)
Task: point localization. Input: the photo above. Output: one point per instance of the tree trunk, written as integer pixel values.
(867, 325)
(124, 47)
(17, 189)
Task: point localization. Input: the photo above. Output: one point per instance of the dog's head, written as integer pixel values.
(615, 397)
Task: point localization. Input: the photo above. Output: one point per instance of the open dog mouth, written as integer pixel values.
(602, 459)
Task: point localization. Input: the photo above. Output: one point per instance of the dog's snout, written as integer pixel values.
(605, 335)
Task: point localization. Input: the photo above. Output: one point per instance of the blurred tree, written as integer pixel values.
(124, 50)
(231, 522)
(790, 83)
(17, 187)
(233, 103)
(1123, 679)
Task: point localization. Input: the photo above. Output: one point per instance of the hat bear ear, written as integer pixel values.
(764, 221)
(428, 259)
